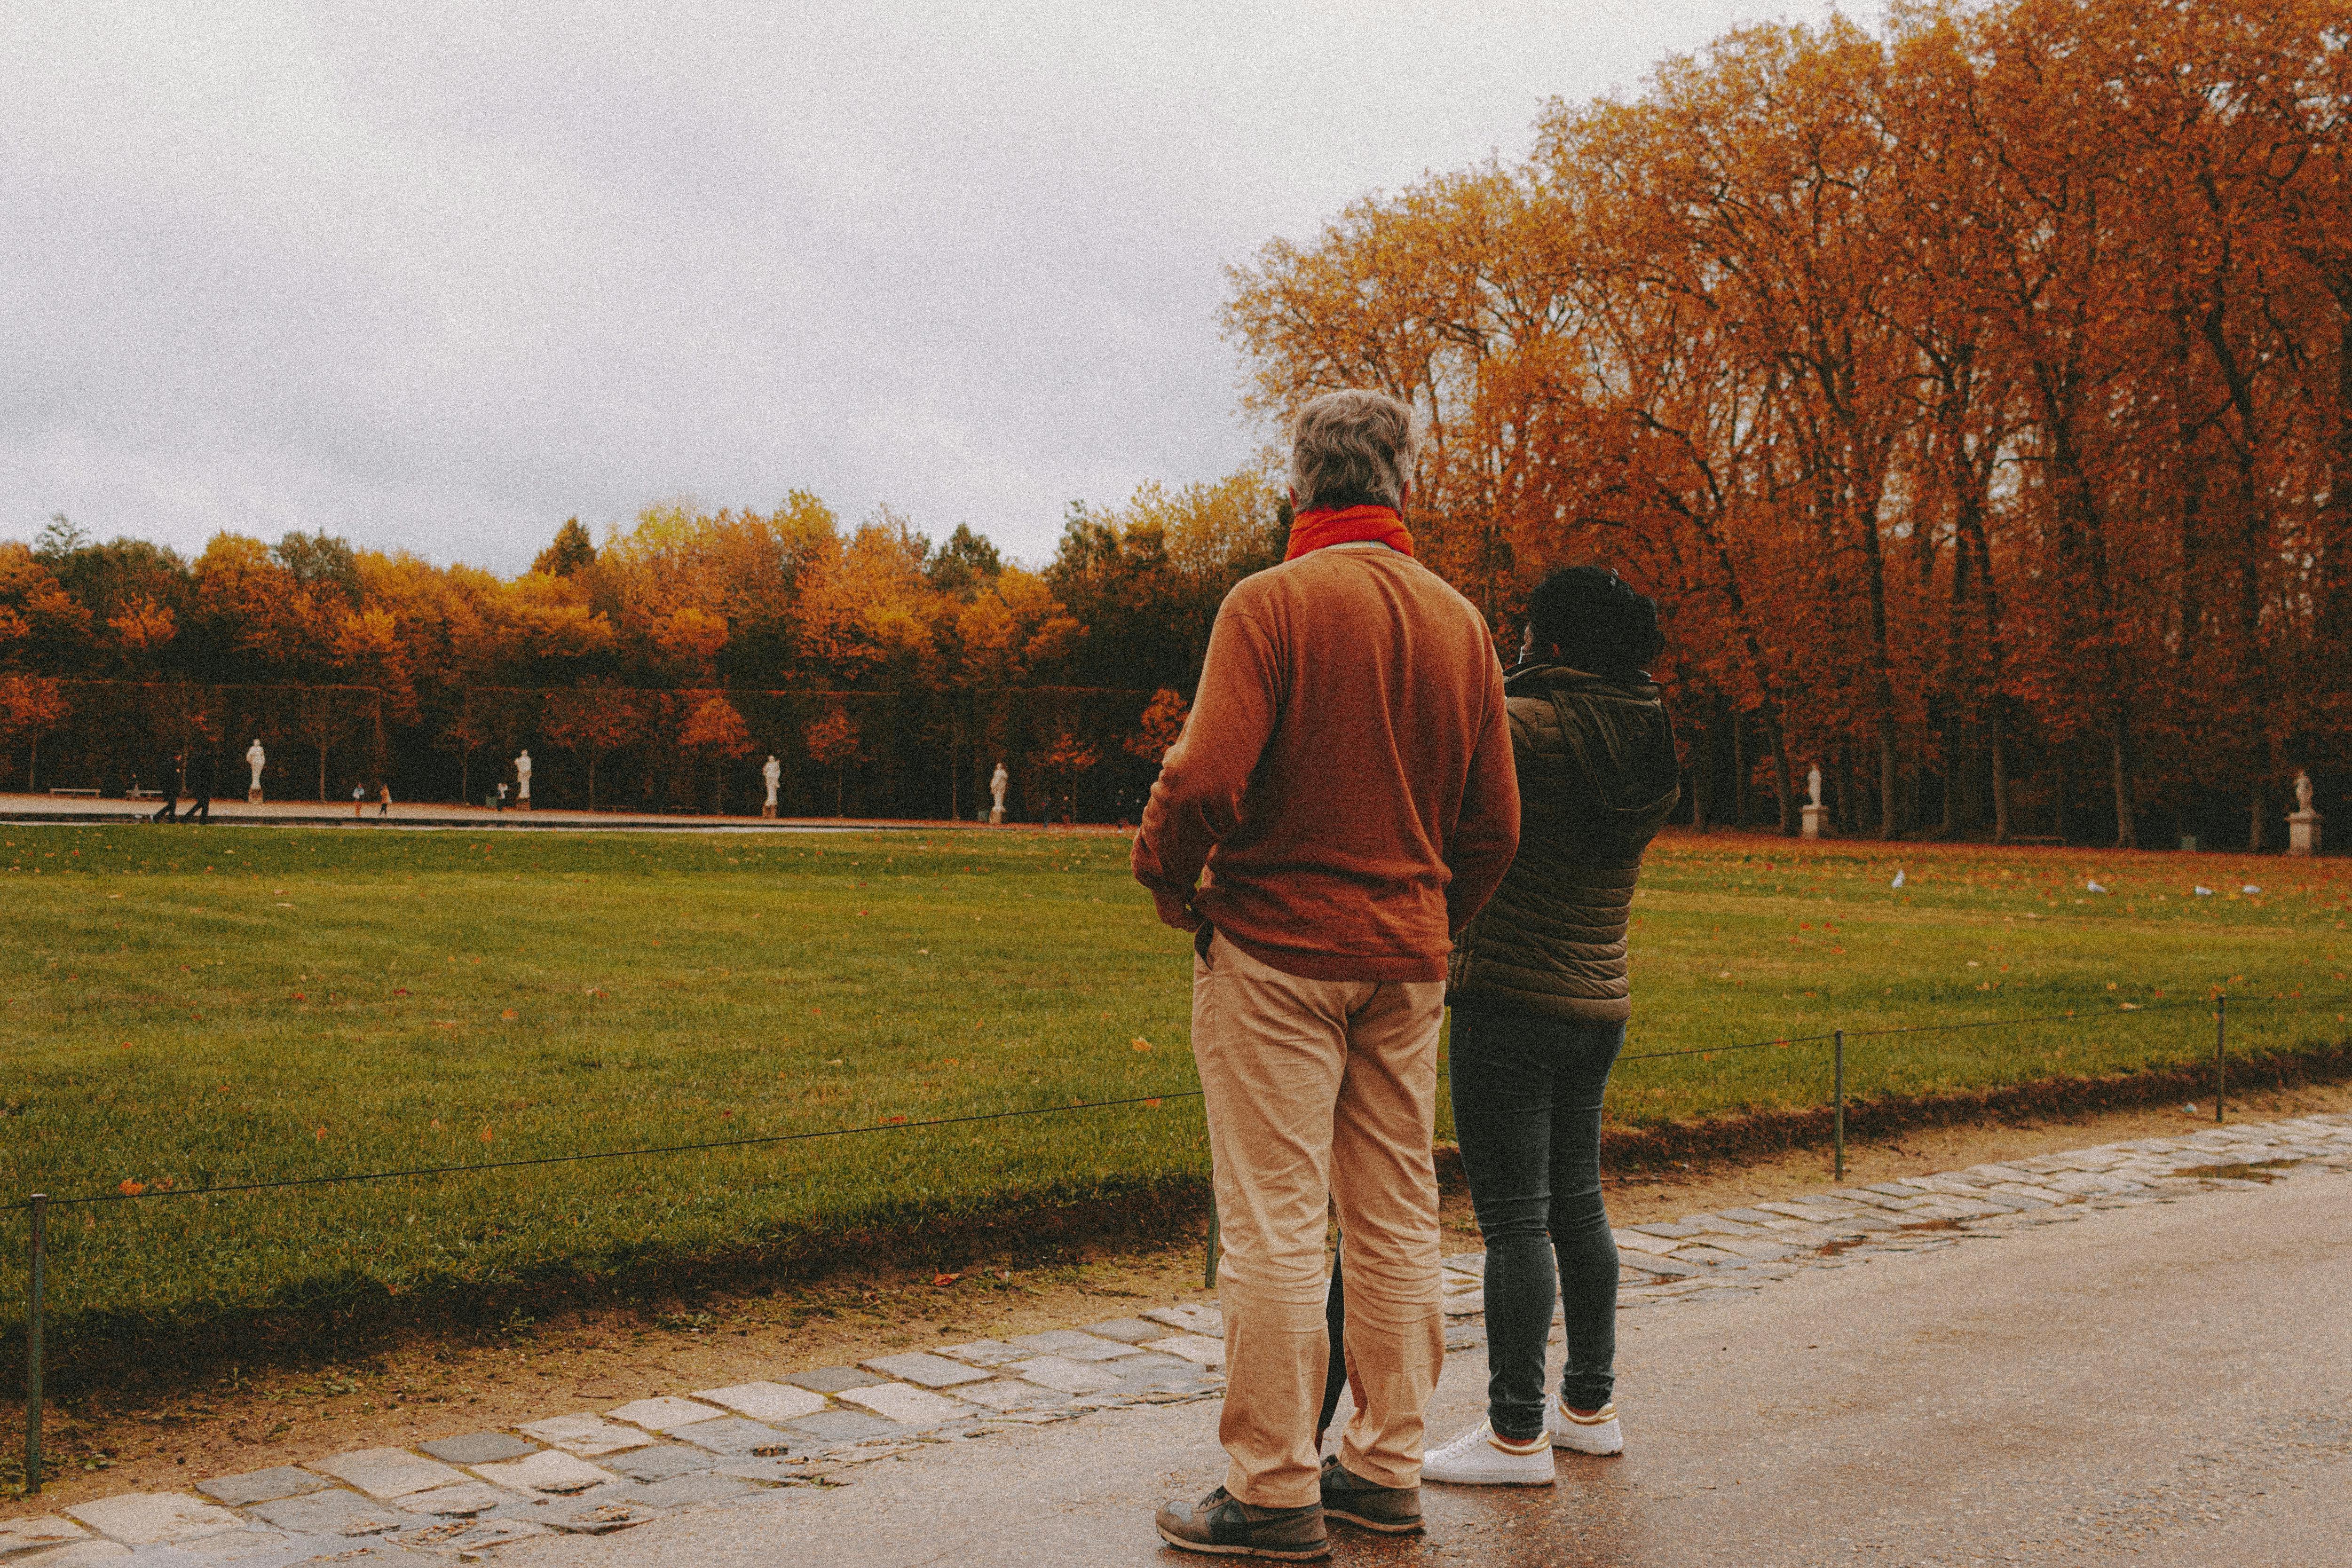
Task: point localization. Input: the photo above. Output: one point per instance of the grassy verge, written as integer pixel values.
(193, 1007)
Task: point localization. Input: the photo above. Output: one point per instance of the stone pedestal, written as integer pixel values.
(523, 804)
(769, 811)
(1812, 820)
(253, 796)
(996, 817)
(2302, 832)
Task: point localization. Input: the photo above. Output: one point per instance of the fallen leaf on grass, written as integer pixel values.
(944, 1280)
(508, 1016)
(1139, 1043)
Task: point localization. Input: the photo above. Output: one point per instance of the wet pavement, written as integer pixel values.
(2167, 1383)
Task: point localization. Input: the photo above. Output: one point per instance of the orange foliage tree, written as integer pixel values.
(1975, 393)
(593, 720)
(715, 731)
(833, 741)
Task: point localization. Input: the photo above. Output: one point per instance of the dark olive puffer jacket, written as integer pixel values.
(1597, 776)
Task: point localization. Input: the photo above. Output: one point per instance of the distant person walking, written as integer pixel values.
(167, 779)
(1540, 1003)
(383, 800)
(200, 777)
(1340, 803)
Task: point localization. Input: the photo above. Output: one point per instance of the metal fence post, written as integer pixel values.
(1838, 1070)
(2221, 1061)
(1209, 1273)
(33, 1351)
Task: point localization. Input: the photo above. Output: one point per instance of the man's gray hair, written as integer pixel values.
(1351, 449)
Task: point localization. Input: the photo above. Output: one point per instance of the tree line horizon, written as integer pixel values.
(1975, 394)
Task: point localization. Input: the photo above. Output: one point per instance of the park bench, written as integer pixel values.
(72, 789)
(137, 793)
(2038, 839)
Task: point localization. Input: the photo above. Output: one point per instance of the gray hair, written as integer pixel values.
(1351, 448)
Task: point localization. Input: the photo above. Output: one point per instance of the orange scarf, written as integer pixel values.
(1347, 525)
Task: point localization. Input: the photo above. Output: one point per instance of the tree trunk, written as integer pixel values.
(840, 788)
(323, 776)
(2127, 827)
(1890, 804)
(2258, 831)
(1703, 778)
(2000, 748)
(1738, 770)
(1783, 784)
(592, 780)
(33, 768)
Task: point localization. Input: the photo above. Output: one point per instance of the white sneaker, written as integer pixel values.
(1595, 1434)
(1479, 1459)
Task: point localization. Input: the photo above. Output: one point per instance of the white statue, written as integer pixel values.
(997, 782)
(1814, 783)
(1812, 811)
(2303, 827)
(522, 781)
(773, 773)
(254, 758)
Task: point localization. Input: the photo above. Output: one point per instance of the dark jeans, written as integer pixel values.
(1527, 1108)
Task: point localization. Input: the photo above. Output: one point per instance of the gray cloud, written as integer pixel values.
(438, 276)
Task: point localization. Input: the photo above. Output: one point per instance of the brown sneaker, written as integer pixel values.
(1393, 1511)
(1222, 1524)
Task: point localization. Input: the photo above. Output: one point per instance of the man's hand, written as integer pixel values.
(1176, 909)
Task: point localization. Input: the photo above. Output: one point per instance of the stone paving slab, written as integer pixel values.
(682, 1492)
(262, 1486)
(663, 1415)
(733, 1436)
(384, 1473)
(478, 1448)
(916, 1408)
(147, 1517)
(986, 1352)
(1060, 1373)
(924, 1369)
(1071, 1346)
(1192, 1347)
(847, 1427)
(550, 1472)
(764, 1401)
(832, 1379)
(463, 1501)
(1012, 1394)
(336, 1512)
(1126, 1330)
(75, 1555)
(18, 1535)
(664, 1462)
(1190, 1317)
(586, 1434)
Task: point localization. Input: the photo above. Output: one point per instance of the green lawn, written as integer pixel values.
(196, 1007)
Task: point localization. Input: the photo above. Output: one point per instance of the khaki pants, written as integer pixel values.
(1319, 1090)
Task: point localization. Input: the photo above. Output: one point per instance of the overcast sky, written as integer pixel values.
(438, 276)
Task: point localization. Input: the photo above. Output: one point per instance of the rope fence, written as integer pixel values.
(39, 1204)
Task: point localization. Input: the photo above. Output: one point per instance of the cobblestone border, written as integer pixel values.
(594, 1471)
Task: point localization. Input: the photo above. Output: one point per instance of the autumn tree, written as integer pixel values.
(833, 741)
(1163, 722)
(31, 706)
(593, 721)
(715, 731)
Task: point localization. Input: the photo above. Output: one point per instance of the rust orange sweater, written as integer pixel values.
(1342, 798)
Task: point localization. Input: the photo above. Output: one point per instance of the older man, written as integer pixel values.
(1341, 802)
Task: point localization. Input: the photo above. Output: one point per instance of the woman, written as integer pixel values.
(1541, 1002)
